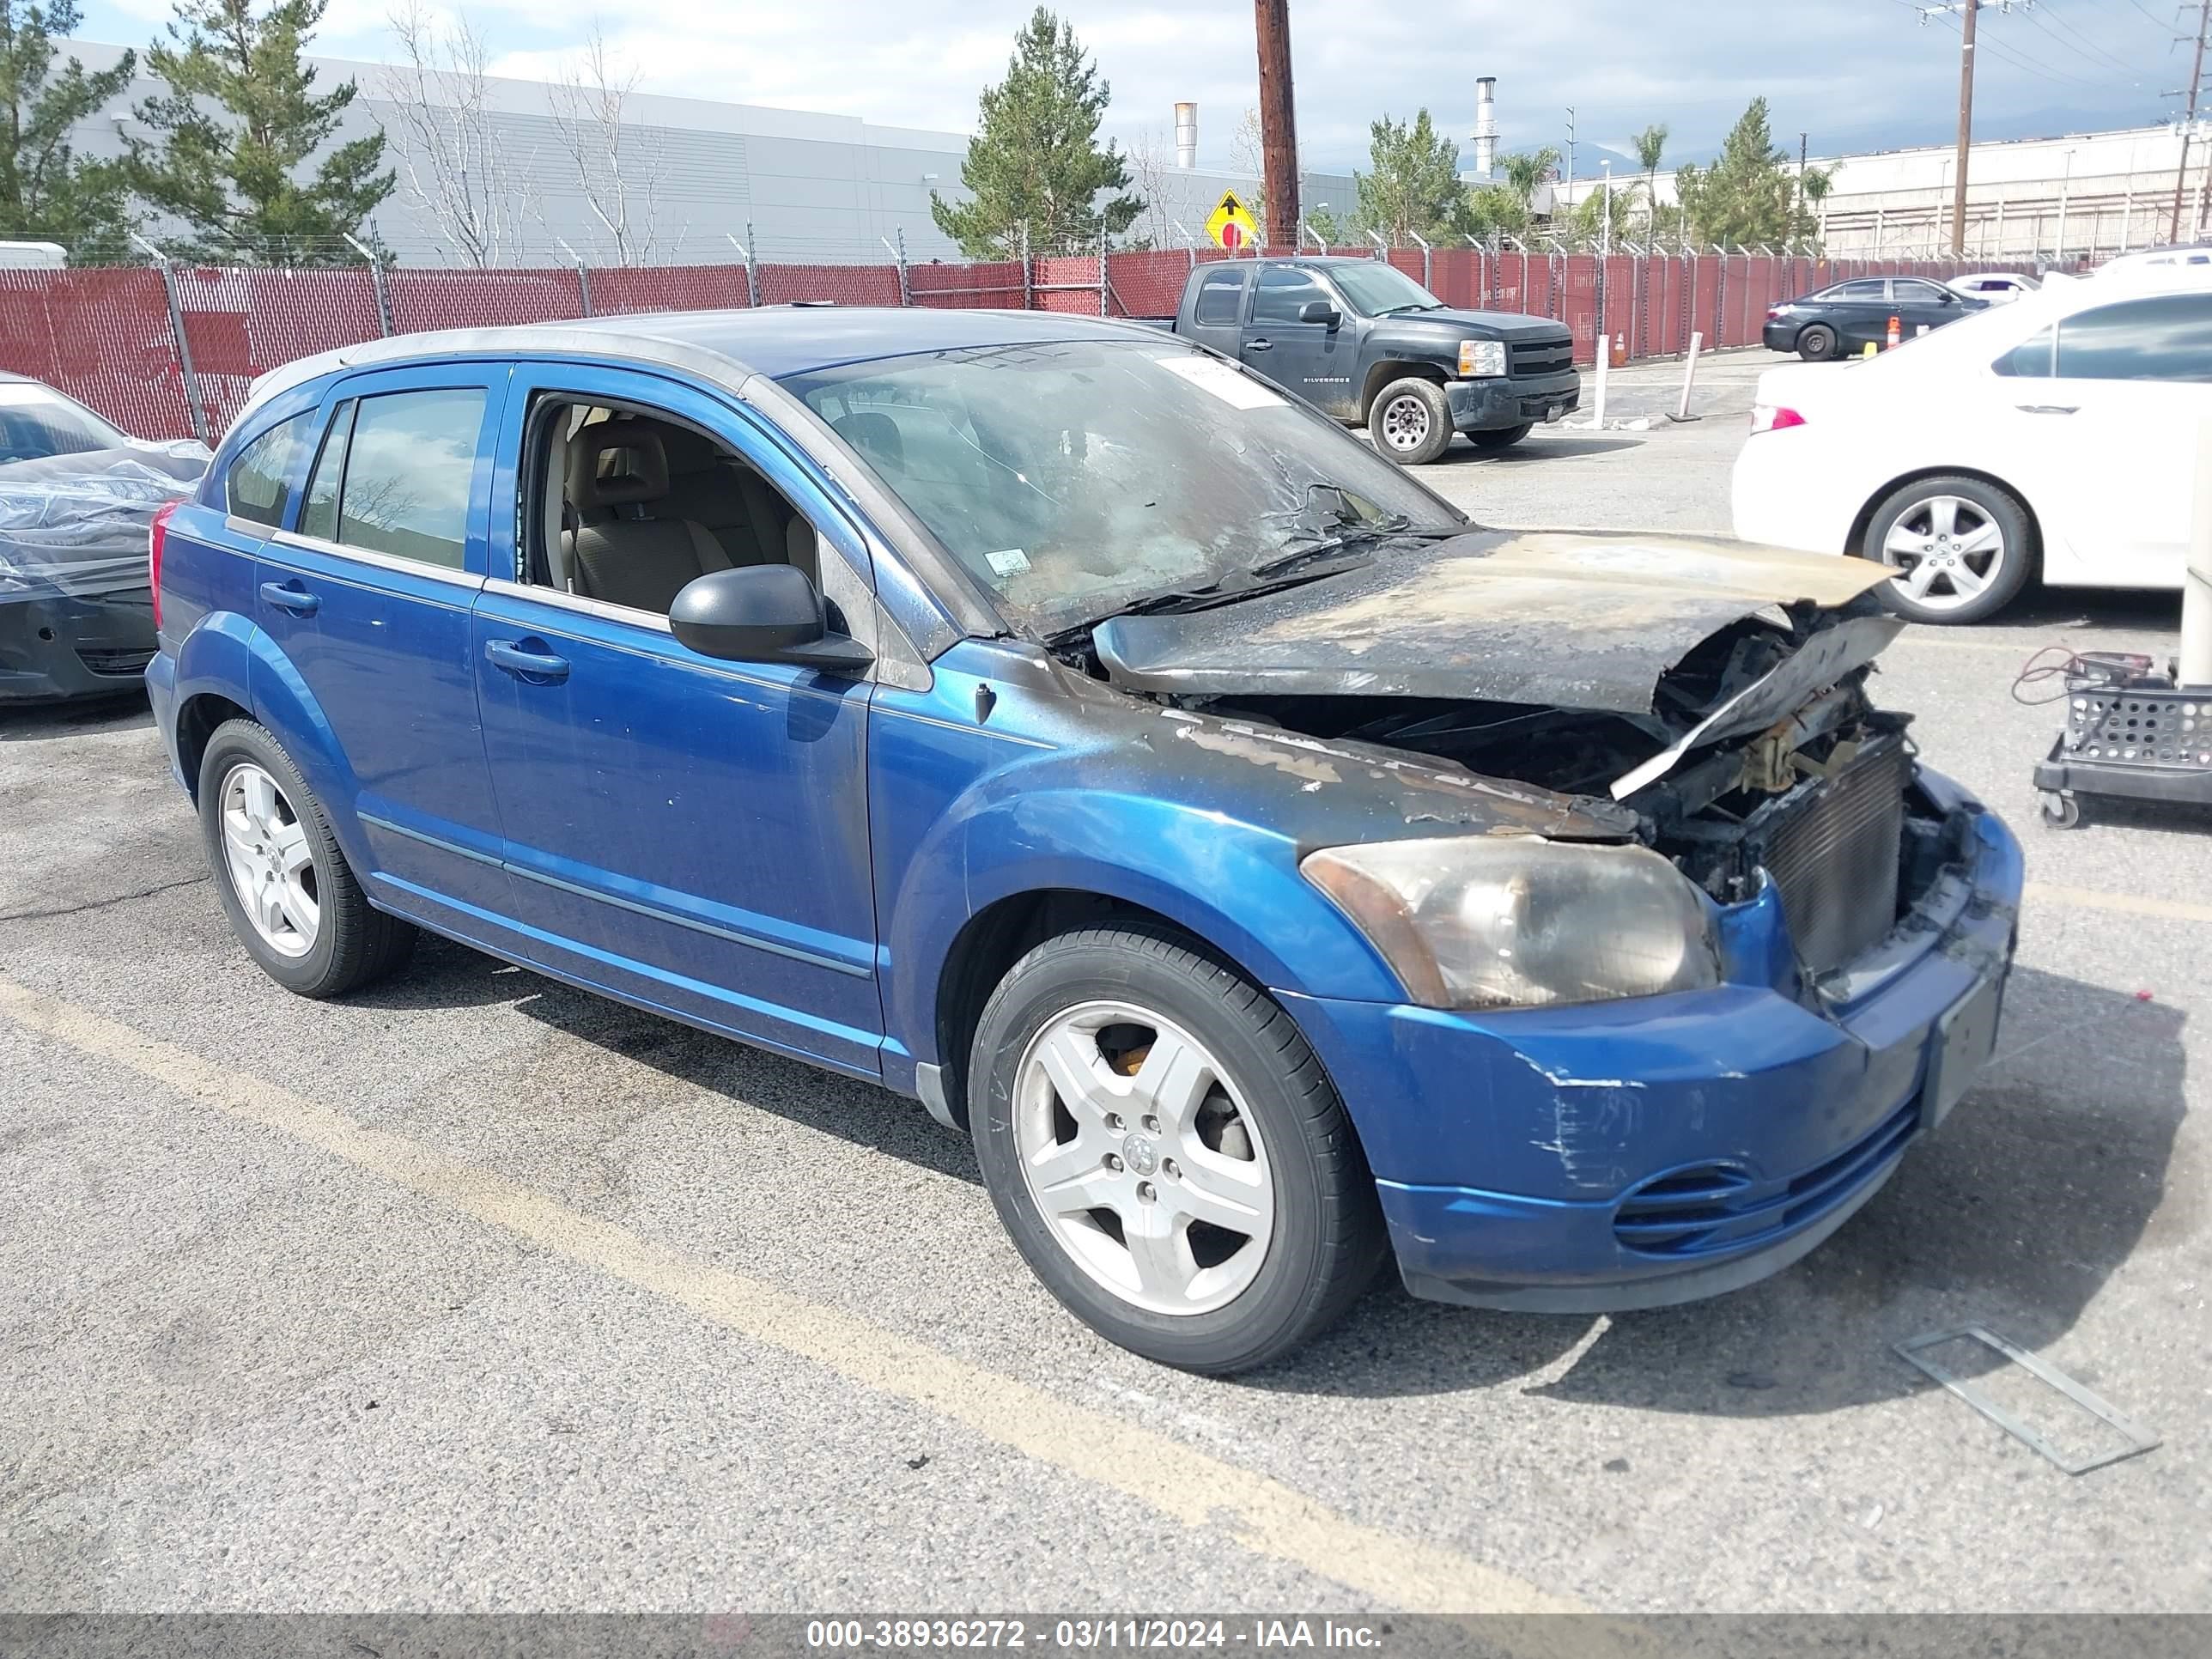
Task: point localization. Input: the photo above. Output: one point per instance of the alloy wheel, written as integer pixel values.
(1946, 550)
(270, 866)
(1142, 1159)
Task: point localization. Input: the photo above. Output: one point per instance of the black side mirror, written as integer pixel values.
(762, 613)
(1320, 311)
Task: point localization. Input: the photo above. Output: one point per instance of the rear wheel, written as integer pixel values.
(1504, 438)
(291, 897)
(1166, 1153)
(1959, 547)
(1816, 344)
(1410, 421)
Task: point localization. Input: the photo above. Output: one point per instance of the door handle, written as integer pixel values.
(525, 665)
(290, 596)
(2046, 408)
(1259, 345)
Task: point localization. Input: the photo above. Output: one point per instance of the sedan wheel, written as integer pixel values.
(1961, 548)
(1142, 1159)
(1948, 551)
(270, 866)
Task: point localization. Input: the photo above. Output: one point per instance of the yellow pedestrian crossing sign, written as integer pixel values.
(1231, 225)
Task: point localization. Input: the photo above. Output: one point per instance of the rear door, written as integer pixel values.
(2103, 412)
(366, 588)
(1313, 360)
(1218, 308)
(1858, 310)
(1919, 305)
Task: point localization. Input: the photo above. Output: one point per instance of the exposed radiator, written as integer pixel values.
(1835, 857)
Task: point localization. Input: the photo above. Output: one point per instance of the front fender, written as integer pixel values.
(1232, 882)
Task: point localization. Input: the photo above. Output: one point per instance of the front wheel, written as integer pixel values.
(1959, 547)
(1504, 438)
(1410, 421)
(291, 897)
(1167, 1154)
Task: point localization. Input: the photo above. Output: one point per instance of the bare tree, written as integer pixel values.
(1249, 154)
(1153, 171)
(454, 159)
(618, 166)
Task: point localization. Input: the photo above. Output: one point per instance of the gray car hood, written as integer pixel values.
(1541, 618)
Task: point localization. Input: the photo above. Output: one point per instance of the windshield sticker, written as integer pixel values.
(1008, 561)
(1208, 375)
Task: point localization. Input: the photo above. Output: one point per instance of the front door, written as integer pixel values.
(1313, 360)
(688, 832)
(1923, 304)
(2105, 420)
(366, 587)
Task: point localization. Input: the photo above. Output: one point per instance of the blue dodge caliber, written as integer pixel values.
(1272, 871)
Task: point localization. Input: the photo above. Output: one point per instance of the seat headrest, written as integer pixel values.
(614, 463)
(875, 436)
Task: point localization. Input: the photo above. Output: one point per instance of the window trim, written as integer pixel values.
(371, 557)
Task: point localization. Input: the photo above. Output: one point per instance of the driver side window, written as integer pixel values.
(628, 506)
(1282, 291)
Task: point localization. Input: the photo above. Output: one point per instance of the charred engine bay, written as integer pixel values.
(1708, 813)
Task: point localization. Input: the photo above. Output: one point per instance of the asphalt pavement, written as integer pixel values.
(476, 1293)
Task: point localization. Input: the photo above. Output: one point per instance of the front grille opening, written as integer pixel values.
(97, 661)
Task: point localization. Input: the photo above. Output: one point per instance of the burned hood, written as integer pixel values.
(1547, 618)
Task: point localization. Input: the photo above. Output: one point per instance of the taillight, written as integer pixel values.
(154, 541)
(1773, 417)
(1773, 313)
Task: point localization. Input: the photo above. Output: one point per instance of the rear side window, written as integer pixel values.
(2166, 338)
(1872, 288)
(258, 486)
(1220, 297)
(395, 474)
(2030, 360)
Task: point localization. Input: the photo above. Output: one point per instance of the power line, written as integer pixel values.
(2043, 18)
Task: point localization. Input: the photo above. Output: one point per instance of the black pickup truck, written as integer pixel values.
(1362, 341)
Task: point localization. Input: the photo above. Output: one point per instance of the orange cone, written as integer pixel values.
(1896, 331)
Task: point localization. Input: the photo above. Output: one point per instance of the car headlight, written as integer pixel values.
(1481, 359)
(1516, 922)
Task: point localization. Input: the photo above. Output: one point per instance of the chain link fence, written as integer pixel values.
(170, 350)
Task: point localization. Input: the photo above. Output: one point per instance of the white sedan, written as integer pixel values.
(1999, 288)
(2053, 438)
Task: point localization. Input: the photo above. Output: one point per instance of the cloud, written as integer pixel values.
(1855, 74)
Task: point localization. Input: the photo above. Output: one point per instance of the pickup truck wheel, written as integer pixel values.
(1504, 438)
(1410, 421)
(291, 896)
(1167, 1154)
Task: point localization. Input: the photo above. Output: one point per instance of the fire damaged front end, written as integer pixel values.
(1666, 1049)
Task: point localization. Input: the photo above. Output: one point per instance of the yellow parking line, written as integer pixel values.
(2091, 898)
(1185, 1484)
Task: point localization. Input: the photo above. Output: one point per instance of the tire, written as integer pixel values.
(1504, 438)
(1260, 1123)
(348, 943)
(1816, 343)
(1410, 421)
(1975, 540)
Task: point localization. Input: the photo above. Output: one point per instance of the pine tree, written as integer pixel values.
(240, 125)
(1034, 160)
(1414, 190)
(1749, 194)
(48, 193)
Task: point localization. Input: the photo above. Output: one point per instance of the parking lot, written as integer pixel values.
(476, 1293)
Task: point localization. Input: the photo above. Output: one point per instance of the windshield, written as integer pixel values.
(1375, 290)
(36, 421)
(1073, 479)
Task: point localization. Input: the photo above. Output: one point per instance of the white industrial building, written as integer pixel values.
(2084, 195)
(799, 187)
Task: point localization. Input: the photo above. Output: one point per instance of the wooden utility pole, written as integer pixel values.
(1965, 125)
(2189, 121)
(1278, 128)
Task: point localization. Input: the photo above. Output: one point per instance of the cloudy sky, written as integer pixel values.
(1855, 74)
